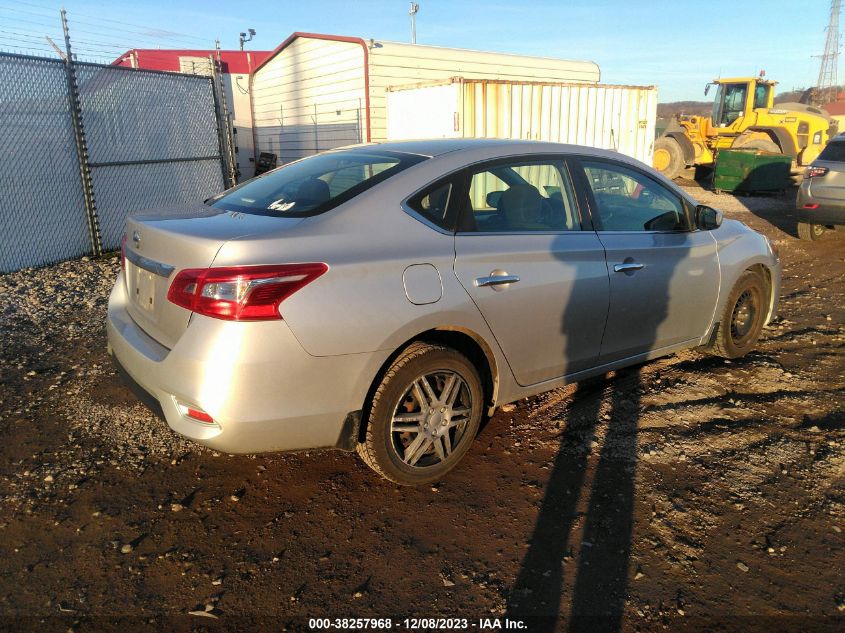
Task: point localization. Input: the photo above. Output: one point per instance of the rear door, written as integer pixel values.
(664, 275)
(539, 279)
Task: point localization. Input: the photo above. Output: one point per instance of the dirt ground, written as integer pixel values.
(690, 493)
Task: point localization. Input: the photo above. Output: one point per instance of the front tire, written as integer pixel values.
(810, 232)
(668, 157)
(743, 317)
(423, 416)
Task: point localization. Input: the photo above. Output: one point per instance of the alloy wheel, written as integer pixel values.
(430, 420)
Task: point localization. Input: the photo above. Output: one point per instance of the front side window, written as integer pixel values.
(761, 96)
(627, 200)
(315, 184)
(522, 196)
(729, 104)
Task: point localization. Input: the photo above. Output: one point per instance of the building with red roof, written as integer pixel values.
(236, 66)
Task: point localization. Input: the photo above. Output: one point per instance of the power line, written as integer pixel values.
(92, 20)
(26, 30)
(22, 35)
(24, 20)
(100, 19)
(160, 37)
(111, 45)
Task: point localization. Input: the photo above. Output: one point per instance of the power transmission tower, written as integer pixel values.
(828, 83)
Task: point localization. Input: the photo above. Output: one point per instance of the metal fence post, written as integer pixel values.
(81, 146)
(227, 150)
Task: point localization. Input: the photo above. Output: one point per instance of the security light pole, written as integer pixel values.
(244, 38)
(413, 13)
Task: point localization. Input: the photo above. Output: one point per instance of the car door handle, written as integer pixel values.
(496, 280)
(627, 267)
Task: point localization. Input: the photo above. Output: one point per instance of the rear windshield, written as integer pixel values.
(315, 184)
(834, 151)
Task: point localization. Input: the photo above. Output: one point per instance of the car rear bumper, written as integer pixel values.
(825, 214)
(263, 391)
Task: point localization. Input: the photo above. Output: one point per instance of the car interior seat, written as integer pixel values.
(523, 208)
(313, 192)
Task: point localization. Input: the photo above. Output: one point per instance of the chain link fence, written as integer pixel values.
(144, 139)
(42, 206)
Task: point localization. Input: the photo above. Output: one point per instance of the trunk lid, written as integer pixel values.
(159, 244)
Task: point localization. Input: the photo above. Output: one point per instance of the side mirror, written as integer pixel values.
(706, 89)
(707, 218)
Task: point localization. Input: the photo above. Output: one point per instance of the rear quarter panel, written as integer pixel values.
(360, 304)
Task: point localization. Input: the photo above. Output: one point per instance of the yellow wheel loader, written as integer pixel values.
(744, 117)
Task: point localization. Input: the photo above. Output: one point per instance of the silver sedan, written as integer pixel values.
(383, 298)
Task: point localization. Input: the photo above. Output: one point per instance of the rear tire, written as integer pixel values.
(668, 157)
(810, 232)
(743, 317)
(435, 389)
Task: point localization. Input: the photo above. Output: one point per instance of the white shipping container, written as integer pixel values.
(619, 118)
(316, 92)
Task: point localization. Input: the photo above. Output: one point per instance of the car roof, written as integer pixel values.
(440, 146)
(432, 147)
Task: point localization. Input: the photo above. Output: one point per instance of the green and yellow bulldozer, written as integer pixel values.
(744, 117)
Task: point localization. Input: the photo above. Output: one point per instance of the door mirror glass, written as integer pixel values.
(707, 218)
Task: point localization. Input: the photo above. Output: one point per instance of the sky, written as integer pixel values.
(676, 45)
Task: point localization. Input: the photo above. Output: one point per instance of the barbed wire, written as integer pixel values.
(22, 31)
(100, 22)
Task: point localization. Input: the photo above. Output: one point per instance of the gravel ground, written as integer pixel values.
(690, 493)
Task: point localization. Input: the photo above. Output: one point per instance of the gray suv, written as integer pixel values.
(821, 196)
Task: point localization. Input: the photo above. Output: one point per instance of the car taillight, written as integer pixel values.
(241, 293)
(815, 172)
(123, 252)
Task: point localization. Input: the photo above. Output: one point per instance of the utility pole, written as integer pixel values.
(413, 13)
(828, 83)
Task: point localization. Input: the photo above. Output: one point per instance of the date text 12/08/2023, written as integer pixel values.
(413, 624)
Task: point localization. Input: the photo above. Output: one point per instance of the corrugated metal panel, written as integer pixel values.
(309, 98)
(394, 63)
(620, 118)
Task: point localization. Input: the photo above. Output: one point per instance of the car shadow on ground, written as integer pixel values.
(603, 550)
(599, 559)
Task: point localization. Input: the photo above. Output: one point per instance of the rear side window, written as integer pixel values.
(834, 152)
(433, 204)
(520, 197)
(315, 184)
